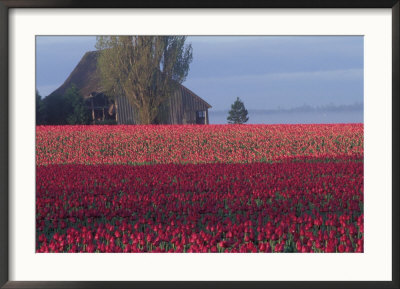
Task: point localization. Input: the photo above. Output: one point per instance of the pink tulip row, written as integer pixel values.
(194, 143)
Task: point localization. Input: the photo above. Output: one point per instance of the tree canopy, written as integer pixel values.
(56, 109)
(145, 69)
(238, 113)
(40, 110)
(77, 112)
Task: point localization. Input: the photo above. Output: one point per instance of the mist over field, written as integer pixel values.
(345, 114)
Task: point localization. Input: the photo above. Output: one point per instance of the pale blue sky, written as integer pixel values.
(266, 72)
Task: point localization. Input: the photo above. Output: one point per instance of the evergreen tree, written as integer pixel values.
(40, 110)
(238, 113)
(78, 113)
(55, 109)
(68, 108)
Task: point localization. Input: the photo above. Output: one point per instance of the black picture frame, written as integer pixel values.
(5, 5)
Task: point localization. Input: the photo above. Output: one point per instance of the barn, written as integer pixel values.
(184, 107)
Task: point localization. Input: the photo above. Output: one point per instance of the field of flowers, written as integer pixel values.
(222, 188)
(165, 144)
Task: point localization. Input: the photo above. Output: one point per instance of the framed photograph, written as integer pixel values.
(206, 145)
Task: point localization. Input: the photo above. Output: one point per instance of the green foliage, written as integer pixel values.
(78, 113)
(55, 110)
(238, 113)
(146, 69)
(40, 110)
(65, 109)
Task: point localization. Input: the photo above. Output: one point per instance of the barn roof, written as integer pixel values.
(187, 90)
(86, 78)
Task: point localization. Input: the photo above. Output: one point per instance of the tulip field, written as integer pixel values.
(200, 188)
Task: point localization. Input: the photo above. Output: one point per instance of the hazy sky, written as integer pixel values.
(266, 72)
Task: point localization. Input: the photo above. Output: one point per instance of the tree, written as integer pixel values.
(55, 109)
(68, 108)
(146, 69)
(40, 110)
(238, 113)
(77, 112)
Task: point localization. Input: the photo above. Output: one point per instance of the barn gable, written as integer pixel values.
(185, 107)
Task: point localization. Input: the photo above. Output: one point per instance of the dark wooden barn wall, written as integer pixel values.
(181, 109)
(192, 104)
(175, 109)
(126, 114)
